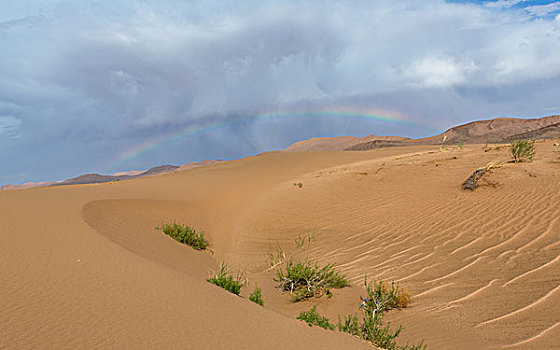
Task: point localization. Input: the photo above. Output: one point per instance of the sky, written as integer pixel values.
(108, 86)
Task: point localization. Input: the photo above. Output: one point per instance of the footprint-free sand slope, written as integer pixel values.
(83, 266)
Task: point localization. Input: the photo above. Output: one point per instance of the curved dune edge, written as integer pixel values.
(84, 266)
(131, 223)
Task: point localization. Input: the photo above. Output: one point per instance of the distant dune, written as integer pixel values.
(27, 185)
(97, 178)
(125, 175)
(198, 164)
(496, 130)
(129, 173)
(341, 143)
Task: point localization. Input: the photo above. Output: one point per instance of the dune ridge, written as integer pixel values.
(497, 130)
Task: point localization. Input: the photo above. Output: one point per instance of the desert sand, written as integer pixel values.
(84, 267)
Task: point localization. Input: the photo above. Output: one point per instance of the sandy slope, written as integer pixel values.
(83, 266)
(66, 284)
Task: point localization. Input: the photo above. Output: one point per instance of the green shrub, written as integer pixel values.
(380, 298)
(313, 318)
(305, 279)
(389, 297)
(522, 149)
(256, 296)
(371, 329)
(350, 325)
(186, 235)
(222, 279)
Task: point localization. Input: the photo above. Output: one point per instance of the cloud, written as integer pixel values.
(436, 71)
(9, 126)
(104, 77)
(543, 10)
(503, 3)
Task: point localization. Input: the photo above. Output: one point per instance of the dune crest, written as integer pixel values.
(497, 130)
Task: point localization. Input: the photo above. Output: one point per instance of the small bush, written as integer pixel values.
(186, 235)
(298, 184)
(222, 279)
(371, 329)
(387, 297)
(350, 325)
(304, 279)
(380, 298)
(522, 149)
(313, 318)
(256, 296)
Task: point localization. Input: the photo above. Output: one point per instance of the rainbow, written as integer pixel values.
(346, 113)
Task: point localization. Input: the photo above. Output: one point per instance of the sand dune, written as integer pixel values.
(341, 143)
(84, 267)
(497, 130)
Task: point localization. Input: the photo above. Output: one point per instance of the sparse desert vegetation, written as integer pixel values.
(380, 298)
(381, 295)
(306, 279)
(186, 235)
(256, 296)
(222, 278)
(522, 150)
(301, 241)
(312, 318)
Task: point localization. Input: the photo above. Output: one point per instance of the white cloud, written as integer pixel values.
(439, 72)
(503, 3)
(543, 10)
